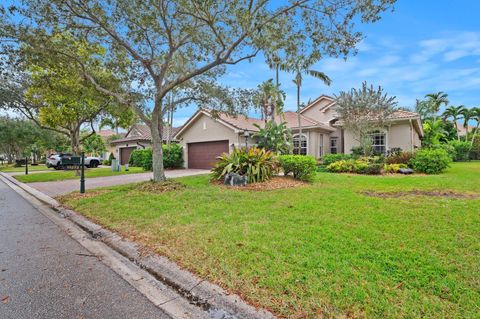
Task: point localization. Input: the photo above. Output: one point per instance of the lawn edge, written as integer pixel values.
(198, 291)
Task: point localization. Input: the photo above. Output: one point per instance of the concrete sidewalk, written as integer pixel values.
(58, 188)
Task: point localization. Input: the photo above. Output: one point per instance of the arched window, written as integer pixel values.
(300, 144)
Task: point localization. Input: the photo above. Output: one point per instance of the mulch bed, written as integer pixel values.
(434, 193)
(278, 182)
(166, 186)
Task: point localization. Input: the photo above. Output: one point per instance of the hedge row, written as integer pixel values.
(172, 157)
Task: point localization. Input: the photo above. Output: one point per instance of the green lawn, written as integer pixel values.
(320, 250)
(11, 168)
(71, 174)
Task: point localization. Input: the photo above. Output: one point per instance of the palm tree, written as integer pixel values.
(467, 116)
(298, 82)
(475, 115)
(436, 100)
(455, 112)
(270, 100)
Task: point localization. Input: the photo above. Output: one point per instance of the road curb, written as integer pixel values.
(214, 299)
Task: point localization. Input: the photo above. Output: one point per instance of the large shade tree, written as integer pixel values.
(52, 92)
(172, 45)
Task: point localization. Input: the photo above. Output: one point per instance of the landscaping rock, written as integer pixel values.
(234, 179)
(405, 171)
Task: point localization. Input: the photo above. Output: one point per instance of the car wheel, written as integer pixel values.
(93, 164)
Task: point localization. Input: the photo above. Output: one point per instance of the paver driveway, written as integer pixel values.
(57, 188)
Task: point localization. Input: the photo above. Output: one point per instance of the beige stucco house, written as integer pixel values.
(205, 136)
(138, 136)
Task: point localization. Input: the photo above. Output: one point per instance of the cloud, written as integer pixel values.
(451, 47)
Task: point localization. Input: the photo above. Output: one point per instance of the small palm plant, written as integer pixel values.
(257, 164)
(275, 137)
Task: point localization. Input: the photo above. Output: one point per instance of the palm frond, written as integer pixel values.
(320, 75)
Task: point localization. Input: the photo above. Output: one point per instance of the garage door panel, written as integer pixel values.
(125, 154)
(204, 154)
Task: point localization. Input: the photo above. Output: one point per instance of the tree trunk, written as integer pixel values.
(298, 115)
(157, 150)
(75, 141)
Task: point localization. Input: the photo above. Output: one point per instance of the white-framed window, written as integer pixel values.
(300, 144)
(334, 145)
(379, 141)
(321, 145)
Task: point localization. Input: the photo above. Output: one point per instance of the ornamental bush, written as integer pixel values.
(172, 158)
(342, 166)
(303, 167)
(108, 161)
(394, 168)
(430, 161)
(328, 159)
(136, 158)
(257, 164)
(462, 150)
(399, 158)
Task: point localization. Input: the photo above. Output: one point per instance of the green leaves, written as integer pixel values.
(255, 163)
(274, 137)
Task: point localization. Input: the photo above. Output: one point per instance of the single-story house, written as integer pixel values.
(138, 137)
(205, 136)
(106, 135)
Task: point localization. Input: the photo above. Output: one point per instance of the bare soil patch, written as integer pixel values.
(415, 192)
(278, 182)
(167, 186)
(77, 196)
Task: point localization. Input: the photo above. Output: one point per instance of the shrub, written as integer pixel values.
(301, 166)
(374, 169)
(147, 159)
(450, 149)
(172, 158)
(349, 166)
(257, 164)
(399, 158)
(357, 151)
(136, 158)
(462, 150)
(365, 165)
(430, 161)
(328, 159)
(394, 168)
(108, 161)
(361, 167)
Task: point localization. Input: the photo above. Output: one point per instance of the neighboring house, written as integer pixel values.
(462, 130)
(138, 137)
(204, 136)
(106, 135)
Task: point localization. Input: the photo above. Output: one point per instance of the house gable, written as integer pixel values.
(320, 110)
(203, 127)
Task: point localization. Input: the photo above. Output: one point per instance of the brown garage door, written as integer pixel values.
(204, 154)
(125, 153)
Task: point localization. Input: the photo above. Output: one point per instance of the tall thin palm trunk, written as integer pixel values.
(298, 80)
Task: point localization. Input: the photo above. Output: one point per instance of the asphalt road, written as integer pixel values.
(46, 274)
